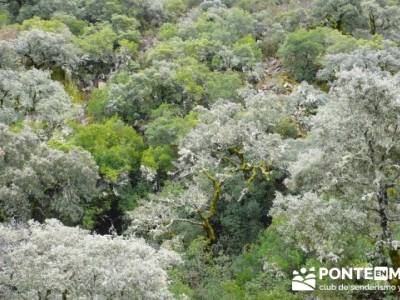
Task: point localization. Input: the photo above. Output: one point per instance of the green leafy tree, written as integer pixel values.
(224, 25)
(133, 96)
(117, 150)
(167, 125)
(97, 103)
(303, 50)
(45, 9)
(114, 146)
(246, 53)
(163, 132)
(174, 8)
(185, 82)
(26, 9)
(97, 43)
(343, 15)
(300, 52)
(76, 26)
(53, 25)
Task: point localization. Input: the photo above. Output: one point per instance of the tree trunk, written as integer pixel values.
(387, 236)
(383, 214)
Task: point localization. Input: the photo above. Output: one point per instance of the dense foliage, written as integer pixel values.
(196, 149)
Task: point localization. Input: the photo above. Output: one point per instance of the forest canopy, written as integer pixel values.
(197, 149)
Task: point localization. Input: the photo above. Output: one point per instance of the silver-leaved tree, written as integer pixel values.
(39, 182)
(53, 261)
(347, 177)
(233, 147)
(34, 96)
